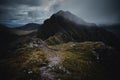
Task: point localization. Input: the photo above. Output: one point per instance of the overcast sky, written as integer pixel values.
(27, 11)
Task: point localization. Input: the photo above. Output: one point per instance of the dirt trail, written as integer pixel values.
(54, 60)
(47, 69)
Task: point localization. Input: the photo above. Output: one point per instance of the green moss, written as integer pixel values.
(53, 40)
(80, 62)
(77, 58)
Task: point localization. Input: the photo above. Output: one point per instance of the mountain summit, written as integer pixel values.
(71, 17)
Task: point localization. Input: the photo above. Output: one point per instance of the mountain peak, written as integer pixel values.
(61, 12)
(70, 17)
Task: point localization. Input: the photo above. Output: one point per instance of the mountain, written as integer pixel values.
(115, 28)
(79, 51)
(25, 30)
(30, 26)
(12, 37)
(72, 18)
(62, 27)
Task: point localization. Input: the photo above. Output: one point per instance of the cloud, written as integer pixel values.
(21, 2)
(25, 11)
(96, 11)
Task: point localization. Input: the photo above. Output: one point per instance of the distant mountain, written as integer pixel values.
(26, 29)
(9, 36)
(113, 28)
(30, 26)
(64, 27)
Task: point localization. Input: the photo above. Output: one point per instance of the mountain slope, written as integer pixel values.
(59, 29)
(12, 38)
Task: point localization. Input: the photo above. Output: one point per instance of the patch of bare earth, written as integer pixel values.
(54, 60)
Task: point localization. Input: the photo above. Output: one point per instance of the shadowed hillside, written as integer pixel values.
(113, 28)
(30, 26)
(60, 29)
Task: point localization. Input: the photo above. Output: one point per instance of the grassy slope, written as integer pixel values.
(19, 67)
(79, 60)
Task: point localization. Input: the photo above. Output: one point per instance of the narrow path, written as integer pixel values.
(47, 69)
(54, 60)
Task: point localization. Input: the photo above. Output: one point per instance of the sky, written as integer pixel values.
(36, 11)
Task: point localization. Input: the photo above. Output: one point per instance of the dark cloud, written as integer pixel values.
(35, 14)
(21, 2)
(98, 11)
(25, 11)
(55, 7)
